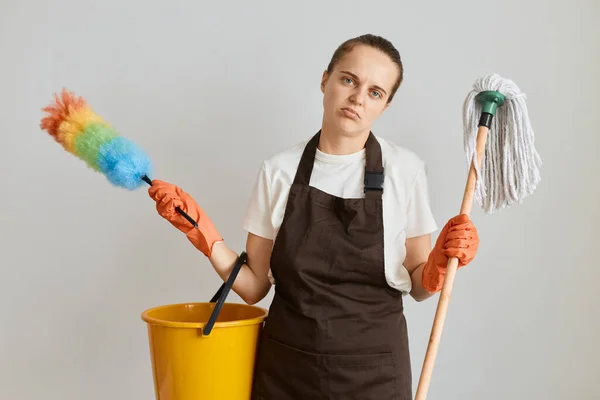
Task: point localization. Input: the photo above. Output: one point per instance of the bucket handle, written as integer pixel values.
(223, 291)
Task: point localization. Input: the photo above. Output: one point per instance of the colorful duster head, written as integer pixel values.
(80, 131)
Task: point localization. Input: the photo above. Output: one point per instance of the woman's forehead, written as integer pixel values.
(370, 64)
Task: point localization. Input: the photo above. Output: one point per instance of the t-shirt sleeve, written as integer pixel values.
(258, 213)
(419, 218)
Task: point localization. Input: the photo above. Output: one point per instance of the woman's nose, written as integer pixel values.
(357, 97)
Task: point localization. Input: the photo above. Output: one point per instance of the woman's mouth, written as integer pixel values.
(350, 113)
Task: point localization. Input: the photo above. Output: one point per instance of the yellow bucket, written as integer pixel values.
(204, 350)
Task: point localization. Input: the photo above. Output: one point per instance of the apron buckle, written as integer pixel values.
(373, 180)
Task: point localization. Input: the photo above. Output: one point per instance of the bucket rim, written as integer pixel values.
(194, 325)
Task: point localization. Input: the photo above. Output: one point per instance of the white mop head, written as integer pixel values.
(510, 168)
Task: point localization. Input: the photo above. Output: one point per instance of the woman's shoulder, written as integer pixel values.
(280, 168)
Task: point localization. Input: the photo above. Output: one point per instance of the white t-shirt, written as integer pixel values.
(406, 211)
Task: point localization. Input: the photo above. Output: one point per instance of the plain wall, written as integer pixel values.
(211, 89)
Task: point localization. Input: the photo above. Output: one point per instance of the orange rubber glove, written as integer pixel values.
(167, 198)
(458, 238)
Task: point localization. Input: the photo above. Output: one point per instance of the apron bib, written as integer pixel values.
(335, 328)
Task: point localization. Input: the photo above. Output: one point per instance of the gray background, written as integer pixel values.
(209, 90)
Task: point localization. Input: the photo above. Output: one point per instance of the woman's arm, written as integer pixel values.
(417, 253)
(252, 283)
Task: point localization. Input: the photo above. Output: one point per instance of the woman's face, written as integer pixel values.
(357, 90)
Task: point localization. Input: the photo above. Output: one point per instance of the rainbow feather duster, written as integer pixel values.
(85, 134)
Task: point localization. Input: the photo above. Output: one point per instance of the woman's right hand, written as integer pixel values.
(168, 197)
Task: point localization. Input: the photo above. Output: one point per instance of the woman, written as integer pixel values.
(340, 225)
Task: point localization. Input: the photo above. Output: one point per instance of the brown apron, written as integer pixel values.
(335, 329)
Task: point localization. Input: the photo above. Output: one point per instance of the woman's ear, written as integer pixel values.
(324, 79)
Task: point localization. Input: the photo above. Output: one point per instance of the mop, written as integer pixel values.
(503, 171)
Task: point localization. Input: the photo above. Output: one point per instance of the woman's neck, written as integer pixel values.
(338, 143)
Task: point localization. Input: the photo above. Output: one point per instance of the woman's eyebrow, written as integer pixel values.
(356, 77)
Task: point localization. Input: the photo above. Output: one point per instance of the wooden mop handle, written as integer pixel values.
(446, 292)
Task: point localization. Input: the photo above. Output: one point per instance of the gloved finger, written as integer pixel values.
(158, 185)
(181, 193)
(458, 244)
(464, 257)
(153, 192)
(161, 187)
(166, 206)
(466, 226)
(459, 220)
(159, 193)
(463, 236)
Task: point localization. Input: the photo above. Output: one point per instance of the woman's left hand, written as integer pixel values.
(458, 238)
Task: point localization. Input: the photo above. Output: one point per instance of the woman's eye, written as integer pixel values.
(376, 94)
(348, 80)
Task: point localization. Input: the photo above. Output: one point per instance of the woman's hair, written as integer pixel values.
(376, 42)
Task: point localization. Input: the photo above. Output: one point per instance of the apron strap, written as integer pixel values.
(373, 170)
(305, 167)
